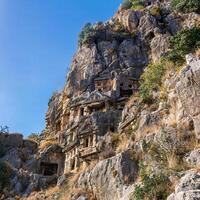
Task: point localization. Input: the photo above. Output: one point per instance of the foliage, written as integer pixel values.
(134, 4)
(186, 6)
(154, 186)
(151, 80)
(126, 4)
(184, 42)
(86, 34)
(4, 129)
(5, 173)
(34, 137)
(155, 11)
(115, 139)
(137, 4)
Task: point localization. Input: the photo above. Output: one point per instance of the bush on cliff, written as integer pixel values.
(134, 4)
(186, 6)
(86, 34)
(154, 186)
(151, 80)
(184, 42)
(5, 173)
(126, 4)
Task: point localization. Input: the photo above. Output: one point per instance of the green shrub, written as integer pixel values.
(5, 173)
(186, 6)
(134, 4)
(137, 4)
(184, 42)
(151, 80)
(115, 139)
(126, 4)
(86, 34)
(155, 11)
(153, 186)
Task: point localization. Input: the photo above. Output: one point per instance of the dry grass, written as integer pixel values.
(47, 143)
(45, 194)
(123, 143)
(106, 153)
(133, 100)
(51, 190)
(115, 139)
(147, 130)
(197, 169)
(67, 189)
(172, 160)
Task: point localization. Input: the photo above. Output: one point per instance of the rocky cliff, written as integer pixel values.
(104, 139)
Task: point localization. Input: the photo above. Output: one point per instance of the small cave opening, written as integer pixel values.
(87, 142)
(126, 93)
(82, 112)
(73, 164)
(112, 128)
(49, 169)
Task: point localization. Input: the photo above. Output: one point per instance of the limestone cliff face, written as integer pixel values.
(100, 72)
(122, 46)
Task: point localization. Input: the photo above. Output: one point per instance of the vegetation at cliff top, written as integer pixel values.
(134, 4)
(184, 42)
(4, 129)
(86, 33)
(186, 6)
(34, 137)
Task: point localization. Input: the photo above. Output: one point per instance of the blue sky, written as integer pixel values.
(37, 41)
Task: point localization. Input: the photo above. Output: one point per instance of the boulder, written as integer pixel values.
(188, 187)
(194, 157)
(159, 46)
(128, 18)
(11, 140)
(110, 178)
(31, 145)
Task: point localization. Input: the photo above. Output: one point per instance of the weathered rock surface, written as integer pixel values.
(93, 105)
(188, 187)
(14, 140)
(110, 178)
(188, 90)
(194, 157)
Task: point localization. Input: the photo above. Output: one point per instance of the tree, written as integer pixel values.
(184, 42)
(186, 6)
(4, 129)
(86, 34)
